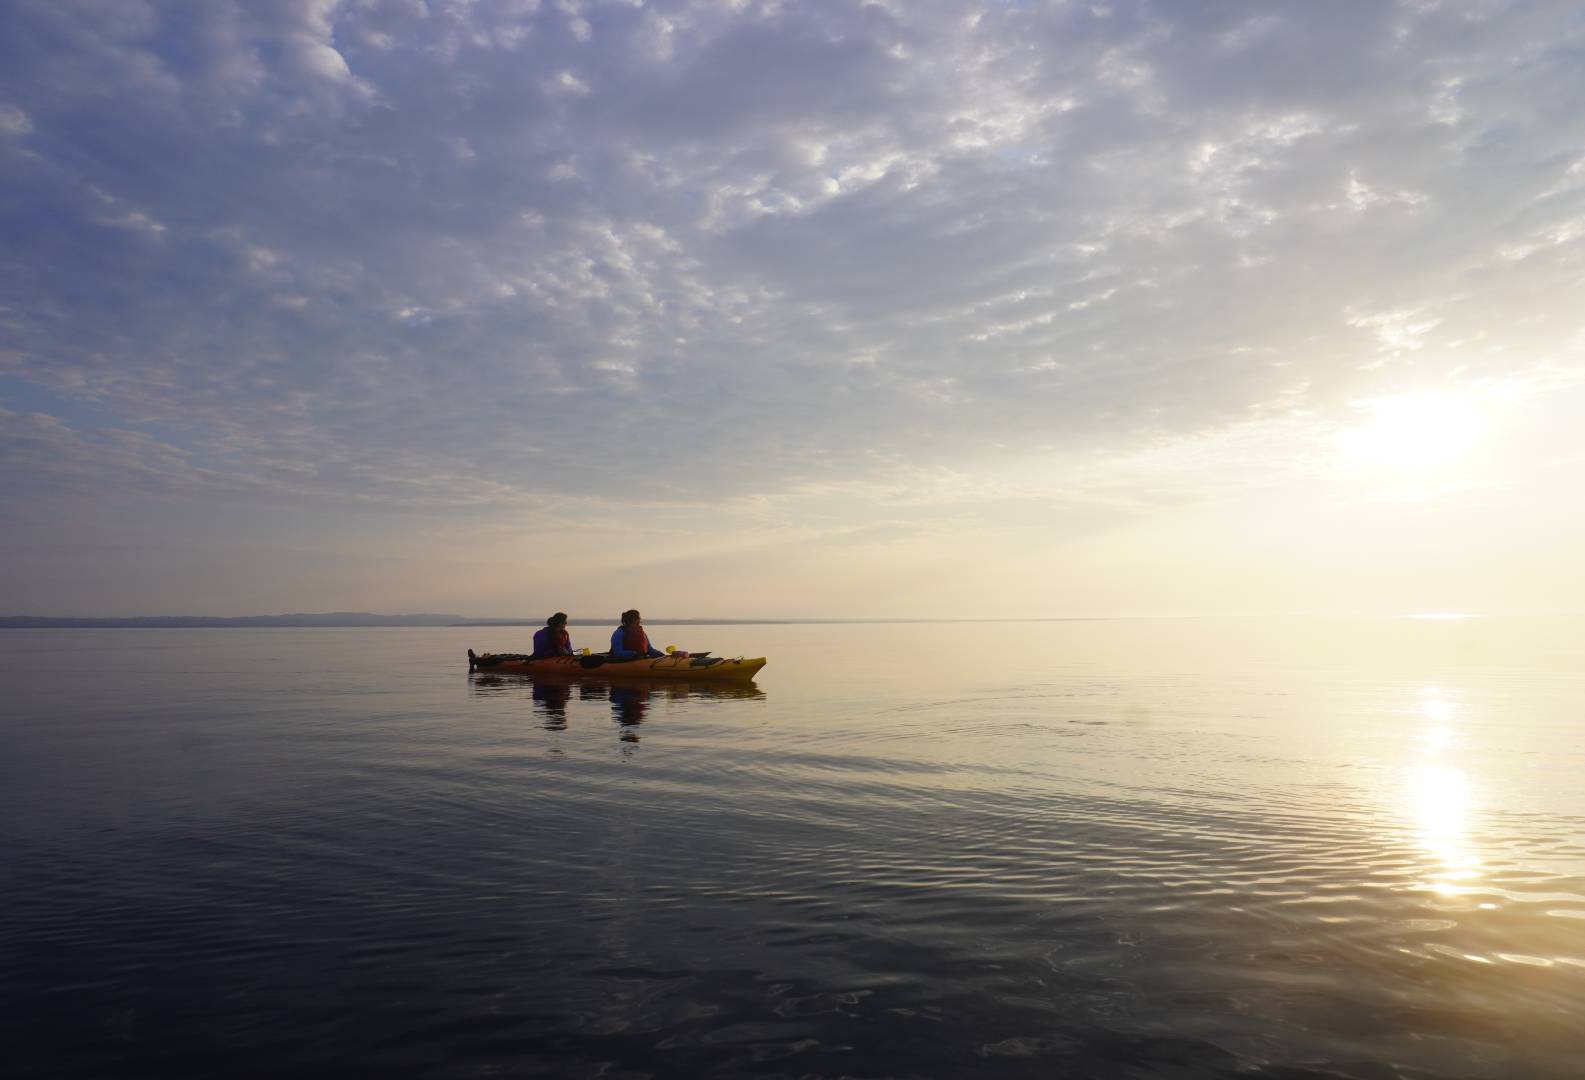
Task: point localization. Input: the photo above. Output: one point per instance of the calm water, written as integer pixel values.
(1111, 849)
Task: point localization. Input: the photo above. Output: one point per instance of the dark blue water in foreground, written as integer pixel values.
(1110, 849)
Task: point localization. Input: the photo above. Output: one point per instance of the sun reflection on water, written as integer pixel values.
(1439, 798)
(1433, 707)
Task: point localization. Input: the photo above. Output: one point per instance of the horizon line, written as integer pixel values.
(438, 620)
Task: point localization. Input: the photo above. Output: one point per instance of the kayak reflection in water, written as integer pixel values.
(630, 701)
(628, 706)
(552, 698)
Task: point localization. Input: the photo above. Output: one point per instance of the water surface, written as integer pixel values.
(1112, 849)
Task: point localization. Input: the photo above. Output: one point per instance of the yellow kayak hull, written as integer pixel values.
(691, 668)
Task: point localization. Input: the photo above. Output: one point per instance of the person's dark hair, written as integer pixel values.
(560, 618)
(629, 615)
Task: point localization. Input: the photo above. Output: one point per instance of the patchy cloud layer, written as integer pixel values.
(846, 266)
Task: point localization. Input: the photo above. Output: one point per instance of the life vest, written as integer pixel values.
(548, 642)
(635, 640)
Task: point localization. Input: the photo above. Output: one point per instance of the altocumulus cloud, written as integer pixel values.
(439, 254)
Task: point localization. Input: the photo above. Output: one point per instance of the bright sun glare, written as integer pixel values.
(1413, 431)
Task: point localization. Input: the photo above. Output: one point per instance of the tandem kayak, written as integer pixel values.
(599, 665)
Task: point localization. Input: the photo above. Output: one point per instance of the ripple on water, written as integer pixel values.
(1139, 874)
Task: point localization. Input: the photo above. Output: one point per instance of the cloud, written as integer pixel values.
(13, 121)
(435, 255)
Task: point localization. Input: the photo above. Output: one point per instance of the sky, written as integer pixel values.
(755, 309)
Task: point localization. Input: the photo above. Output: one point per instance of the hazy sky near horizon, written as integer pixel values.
(783, 309)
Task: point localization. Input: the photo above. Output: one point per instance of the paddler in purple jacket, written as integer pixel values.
(552, 639)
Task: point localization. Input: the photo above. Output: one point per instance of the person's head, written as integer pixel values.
(630, 617)
(557, 621)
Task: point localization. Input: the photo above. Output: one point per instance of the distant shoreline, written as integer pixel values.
(354, 620)
(364, 620)
(346, 619)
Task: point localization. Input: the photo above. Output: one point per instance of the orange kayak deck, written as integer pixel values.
(692, 668)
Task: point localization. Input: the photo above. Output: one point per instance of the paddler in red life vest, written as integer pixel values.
(552, 639)
(629, 642)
